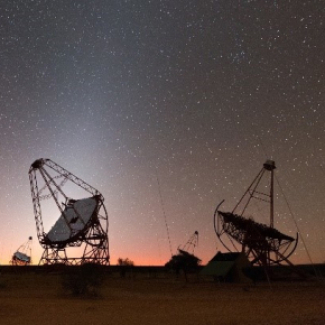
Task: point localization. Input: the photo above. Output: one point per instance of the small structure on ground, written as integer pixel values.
(229, 267)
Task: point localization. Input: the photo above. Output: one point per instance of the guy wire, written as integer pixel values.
(296, 224)
(164, 213)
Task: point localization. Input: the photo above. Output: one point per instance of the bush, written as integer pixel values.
(124, 262)
(125, 266)
(83, 280)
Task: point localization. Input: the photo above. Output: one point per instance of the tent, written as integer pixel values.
(229, 267)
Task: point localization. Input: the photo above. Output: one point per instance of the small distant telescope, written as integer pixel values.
(23, 255)
(185, 259)
(191, 244)
(80, 233)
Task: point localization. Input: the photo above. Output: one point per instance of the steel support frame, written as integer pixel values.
(96, 248)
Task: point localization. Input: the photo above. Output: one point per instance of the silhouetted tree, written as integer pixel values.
(125, 265)
(183, 261)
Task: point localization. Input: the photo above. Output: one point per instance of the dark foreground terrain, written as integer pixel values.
(36, 297)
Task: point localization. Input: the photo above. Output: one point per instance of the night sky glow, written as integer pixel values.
(197, 92)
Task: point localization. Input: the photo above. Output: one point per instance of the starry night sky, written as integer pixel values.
(197, 92)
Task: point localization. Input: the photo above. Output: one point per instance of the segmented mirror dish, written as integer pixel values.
(73, 221)
(21, 257)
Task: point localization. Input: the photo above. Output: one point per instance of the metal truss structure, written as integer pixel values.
(263, 244)
(23, 255)
(80, 235)
(191, 244)
(185, 260)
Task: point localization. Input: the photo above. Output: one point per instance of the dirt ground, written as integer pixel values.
(40, 299)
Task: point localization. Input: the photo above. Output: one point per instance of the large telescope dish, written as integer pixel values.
(73, 222)
(262, 243)
(82, 221)
(257, 240)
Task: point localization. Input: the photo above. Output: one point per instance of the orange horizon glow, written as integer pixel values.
(142, 261)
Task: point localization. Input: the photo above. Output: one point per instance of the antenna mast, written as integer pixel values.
(164, 213)
(270, 165)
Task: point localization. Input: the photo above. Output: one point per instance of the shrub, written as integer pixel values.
(125, 265)
(124, 262)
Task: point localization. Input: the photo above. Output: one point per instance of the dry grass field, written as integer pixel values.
(38, 298)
